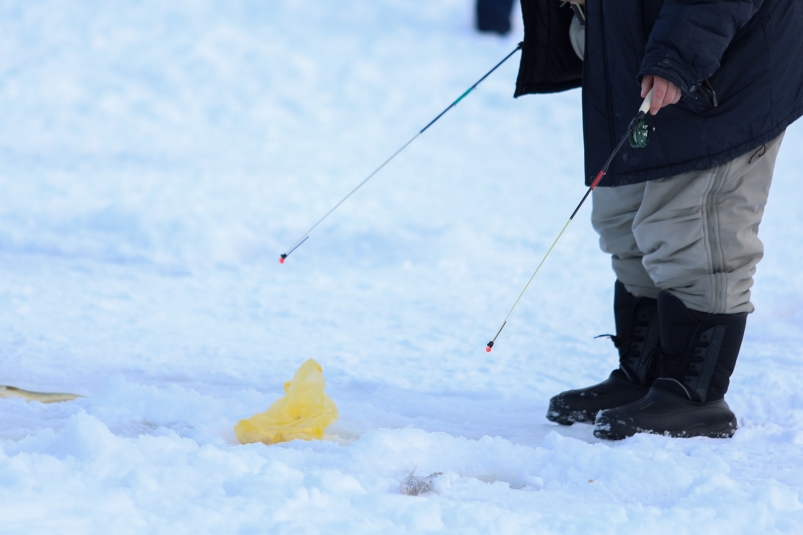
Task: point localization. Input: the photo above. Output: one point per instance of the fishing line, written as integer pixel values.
(638, 136)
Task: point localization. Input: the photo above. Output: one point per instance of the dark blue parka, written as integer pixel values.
(739, 64)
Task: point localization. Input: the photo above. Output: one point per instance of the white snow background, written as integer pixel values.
(157, 157)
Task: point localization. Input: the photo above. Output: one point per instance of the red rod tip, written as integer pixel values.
(488, 349)
(281, 260)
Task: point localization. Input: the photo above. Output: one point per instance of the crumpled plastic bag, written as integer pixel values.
(303, 413)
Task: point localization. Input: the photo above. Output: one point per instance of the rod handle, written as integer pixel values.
(645, 106)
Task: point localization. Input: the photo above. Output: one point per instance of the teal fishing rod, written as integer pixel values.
(304, 237)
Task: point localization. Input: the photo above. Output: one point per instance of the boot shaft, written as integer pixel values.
(637, 335)
(699, 350)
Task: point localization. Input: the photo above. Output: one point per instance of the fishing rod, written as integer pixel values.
(304, 237)
(637, 134)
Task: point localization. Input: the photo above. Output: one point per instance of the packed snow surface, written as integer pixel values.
(155, 160)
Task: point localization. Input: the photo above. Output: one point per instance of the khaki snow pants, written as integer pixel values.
(694, 235)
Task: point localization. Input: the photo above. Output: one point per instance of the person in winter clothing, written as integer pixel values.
(680, 217)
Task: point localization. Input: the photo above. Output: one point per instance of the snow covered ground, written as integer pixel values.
(155, 159)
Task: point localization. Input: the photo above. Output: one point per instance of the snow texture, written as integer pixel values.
(157, 157)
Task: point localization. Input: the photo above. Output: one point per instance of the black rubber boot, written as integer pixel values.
(687, 399)
(637, 341)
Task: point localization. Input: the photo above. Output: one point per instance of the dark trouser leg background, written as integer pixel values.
(494, 16)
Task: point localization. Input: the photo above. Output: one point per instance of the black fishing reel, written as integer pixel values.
(639, 135)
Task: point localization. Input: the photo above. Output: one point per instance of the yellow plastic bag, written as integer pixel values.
(303, 413)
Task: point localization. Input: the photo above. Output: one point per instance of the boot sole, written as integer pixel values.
(699, 430)
(620, 430)
(572, 417)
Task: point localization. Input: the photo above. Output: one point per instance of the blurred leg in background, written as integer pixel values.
(494, 16)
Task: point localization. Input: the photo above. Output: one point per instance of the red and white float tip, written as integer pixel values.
(282, 258)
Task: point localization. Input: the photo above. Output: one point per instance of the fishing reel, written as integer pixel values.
(639, 135)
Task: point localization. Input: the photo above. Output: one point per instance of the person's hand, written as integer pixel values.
(665, 93)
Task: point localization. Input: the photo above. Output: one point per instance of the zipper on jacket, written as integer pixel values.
(710, 94)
